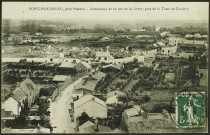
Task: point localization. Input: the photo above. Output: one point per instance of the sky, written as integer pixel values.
(198, 11)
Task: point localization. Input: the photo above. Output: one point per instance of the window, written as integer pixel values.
(163, 50)
(105, 58)
(99, 58)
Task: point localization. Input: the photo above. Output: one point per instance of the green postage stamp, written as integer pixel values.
(190, 110)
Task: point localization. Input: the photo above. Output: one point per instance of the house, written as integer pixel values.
(135, 120)
(75, 49)
(140, 58)
(85, 87)
(61, 55)
(197, 35)
(157, 29)
(113, 66)
(188, 36)
(67, 68)
(205, 36)
(165, 34)
(38, 34)
(148, 61)
(53, 40)
(150, 53)
(173, 41)
(169, 50)
(98, 75)
(82, 66)
(114, 93)
(186, 55)
(87, 127)
(113, 100)
(192, 42)
(161, 44)
(143, 36)
(104, 56)
(169, 76)
(12, 105)
(24, 34)
(35, 41)
(105, 39)
(87, 49)
(87, 103)
(25, 90)
(59, 78)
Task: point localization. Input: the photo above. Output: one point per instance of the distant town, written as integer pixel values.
(68, 78)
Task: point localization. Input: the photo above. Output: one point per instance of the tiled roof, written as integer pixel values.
(59, 78)
(86, 64)
(27, 85)
(160, 43)
(98, 75)
(103, 129)
(67, 65)
(131, 112)
(102, 54)
(18, 94)
(86, 124)
(87, 98)
(77, 92)
(112, 100)
(89, 85)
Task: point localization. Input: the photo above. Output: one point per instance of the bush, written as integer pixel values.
(158, 108)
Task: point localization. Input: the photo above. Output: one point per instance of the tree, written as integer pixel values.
(145, 98)
(83, 118)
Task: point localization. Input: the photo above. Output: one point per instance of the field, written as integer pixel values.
(159, 96)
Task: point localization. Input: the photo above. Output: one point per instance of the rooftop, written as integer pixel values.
(104, 54)
(59, 78)
(67, 65)
(86, 99)
(86, 124)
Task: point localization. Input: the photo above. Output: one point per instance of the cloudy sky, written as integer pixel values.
(20, 10)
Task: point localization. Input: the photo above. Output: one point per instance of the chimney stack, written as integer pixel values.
(93, 98)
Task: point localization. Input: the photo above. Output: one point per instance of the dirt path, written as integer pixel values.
(60, 117)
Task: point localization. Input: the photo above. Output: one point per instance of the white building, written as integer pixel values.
(12, 105)
(61, 55)
(164, 34)
(87, 103)
(104, 56)
(174, 41)
(197, 35)
(169, 51)
(38, 33)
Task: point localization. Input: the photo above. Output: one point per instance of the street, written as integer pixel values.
(60, 117)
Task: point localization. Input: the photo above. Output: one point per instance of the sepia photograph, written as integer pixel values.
(104, 67)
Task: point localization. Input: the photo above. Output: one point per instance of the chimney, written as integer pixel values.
(90, 75)
(93, 98)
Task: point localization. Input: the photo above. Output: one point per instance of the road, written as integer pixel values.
(60, 117)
